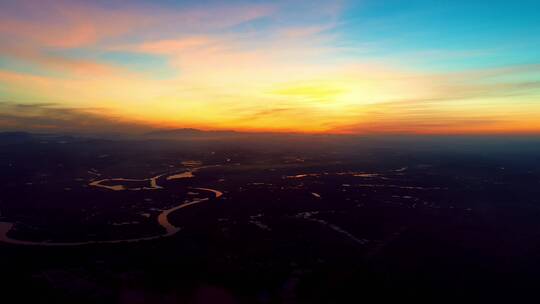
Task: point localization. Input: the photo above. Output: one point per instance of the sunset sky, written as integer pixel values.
(373, 66)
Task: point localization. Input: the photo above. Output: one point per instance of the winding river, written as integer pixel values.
(162, 219)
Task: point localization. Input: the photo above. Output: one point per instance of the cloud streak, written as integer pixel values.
(50, 117)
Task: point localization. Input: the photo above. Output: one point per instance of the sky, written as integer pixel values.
(354, 67)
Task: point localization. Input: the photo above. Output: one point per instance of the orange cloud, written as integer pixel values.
(65, 24)
(72, 24)
(174, 46)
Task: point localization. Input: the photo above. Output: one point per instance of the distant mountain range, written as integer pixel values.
(192, 132)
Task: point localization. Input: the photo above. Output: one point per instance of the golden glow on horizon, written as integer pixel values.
(344, 103)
